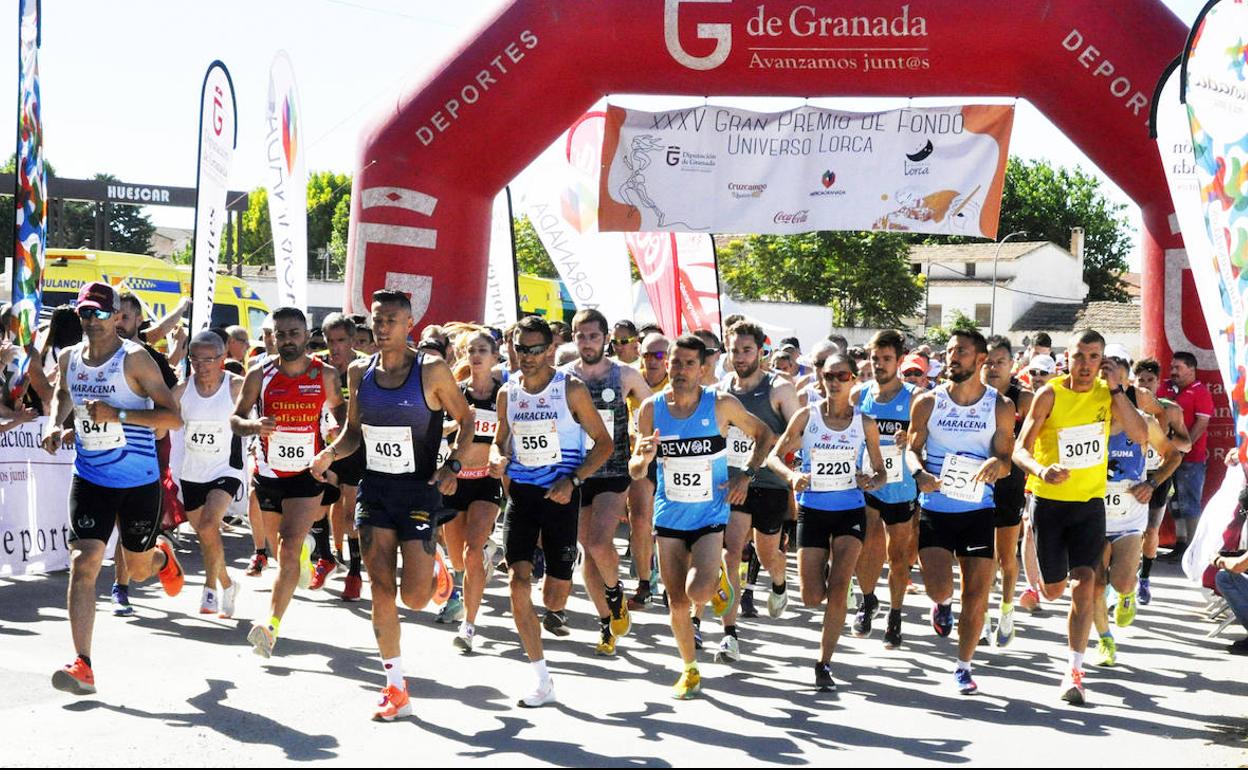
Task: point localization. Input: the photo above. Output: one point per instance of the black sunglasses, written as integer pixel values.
(841, 376)
(532, 350)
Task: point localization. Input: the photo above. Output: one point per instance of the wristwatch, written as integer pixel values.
(121, 415)
(1117, 389)
(576, 481)
(1151, 482)
(750, 473)
(455, 465)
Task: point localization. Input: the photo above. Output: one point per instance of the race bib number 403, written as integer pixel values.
(388, 449)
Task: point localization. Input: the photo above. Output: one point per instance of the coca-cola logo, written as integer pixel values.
(795, 218)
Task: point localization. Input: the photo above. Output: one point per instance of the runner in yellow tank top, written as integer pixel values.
(1064, 447)
(1075, 436)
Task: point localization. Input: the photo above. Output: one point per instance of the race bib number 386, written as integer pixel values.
(291, 452)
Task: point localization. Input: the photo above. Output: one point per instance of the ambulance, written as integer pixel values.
(158, 285)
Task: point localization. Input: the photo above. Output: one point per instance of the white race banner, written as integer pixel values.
(563, 210)
(218, 136)
(500, 285)
(286, 179)
(34, 489)
(1174, 142)
(715, 169)
(1217, 102)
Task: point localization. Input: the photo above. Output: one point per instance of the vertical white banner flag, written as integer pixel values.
(564, 211)
(1174, 143)
(500, 289)
(218, 136)
(286, 179)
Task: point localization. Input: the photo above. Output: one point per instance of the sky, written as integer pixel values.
(121, 81)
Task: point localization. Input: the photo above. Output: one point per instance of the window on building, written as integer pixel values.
(970, 269)
(983, 315)
(934, 313)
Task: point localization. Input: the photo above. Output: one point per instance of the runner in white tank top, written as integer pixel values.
(212, 465)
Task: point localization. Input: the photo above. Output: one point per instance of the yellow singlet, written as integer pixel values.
(1075, 436)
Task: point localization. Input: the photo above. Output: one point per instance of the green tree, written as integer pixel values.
(1046, 202)
(938, 336)
(329, 215)
(531, 256)
(130, 230)
(864, 278)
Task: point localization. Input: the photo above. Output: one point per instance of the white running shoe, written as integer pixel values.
(208, 602)
(729, 650)
(776, 603)
(262, 640)
(541, 695)
(464, 639)
(228, 600)
(1005, 629)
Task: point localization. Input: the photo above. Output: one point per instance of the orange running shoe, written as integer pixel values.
(76, 678)
(171, 577)
(394, 704)
(351, 588)
(444, 582)
(320, 573)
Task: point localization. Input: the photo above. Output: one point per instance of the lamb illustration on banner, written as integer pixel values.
(633, 190)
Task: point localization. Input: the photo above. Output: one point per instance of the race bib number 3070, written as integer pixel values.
(1081, 446)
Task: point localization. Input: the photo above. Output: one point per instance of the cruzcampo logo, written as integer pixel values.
(828, 179)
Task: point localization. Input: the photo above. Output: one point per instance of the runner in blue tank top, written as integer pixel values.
(118, 399)
(961, 439)
(1130, 488)
(890, 510)
(544, 417)
(395, 401)
(685, 428)
(831, 521)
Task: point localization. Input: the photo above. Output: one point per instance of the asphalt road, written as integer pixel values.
(177, 687)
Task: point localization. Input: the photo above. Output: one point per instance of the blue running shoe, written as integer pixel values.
(1146, 592)
(121, 601)
(942, 619)
(966, 685)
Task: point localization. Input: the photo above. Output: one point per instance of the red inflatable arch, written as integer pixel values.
(429, 170)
